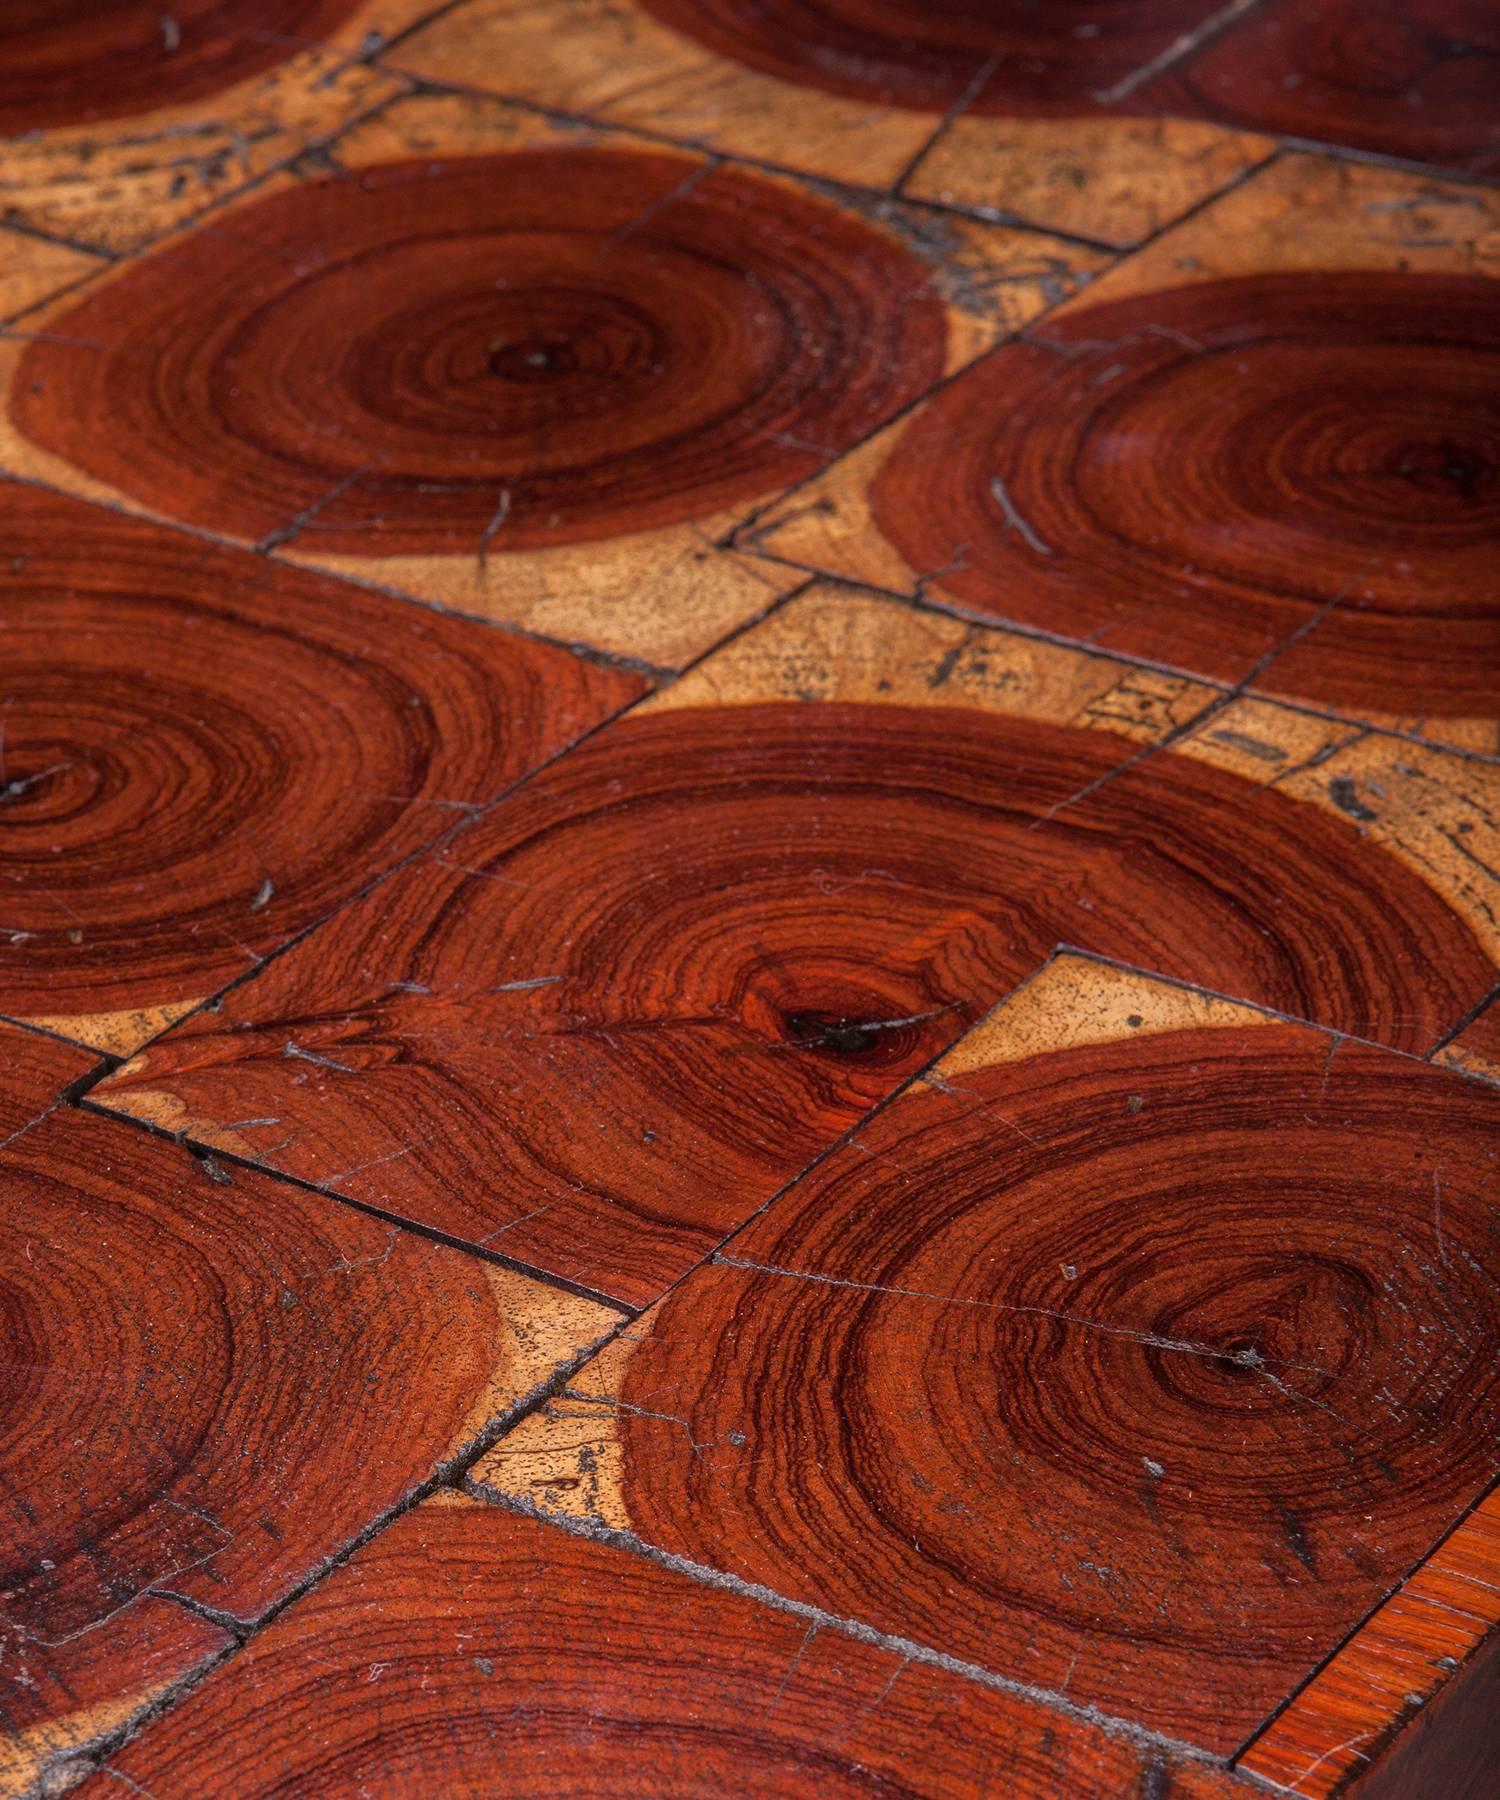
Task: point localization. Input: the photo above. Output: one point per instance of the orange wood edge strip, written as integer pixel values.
(1432, 1625)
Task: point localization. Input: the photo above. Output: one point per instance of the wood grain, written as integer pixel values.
(1415, 81)
(1139, 1369)
(204, 753)
(1283, 462)
(115, 180)
(166, 1325)
(511, 1659)
(1052, 59)
(1441, 1626)
(646, 991)
(32, 270)
(82, 62)
(1476, 1049)
(1255, 457)
(34, 1071)
(1115, 178)
(737, 79)
(1450, 1749)
(516, 372)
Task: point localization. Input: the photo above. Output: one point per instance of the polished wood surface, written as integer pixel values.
(749, 899)
(511, 1659)
(835, 890)
(205, 754)
(1197, 1254)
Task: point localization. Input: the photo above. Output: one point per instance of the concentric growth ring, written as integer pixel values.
(1039, 59)
(71, 62)
(1090, 1347)
(1241, 452)
(582, 342)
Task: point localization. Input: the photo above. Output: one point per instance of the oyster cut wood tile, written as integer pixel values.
(209, 1393)
(858, 92)
(1414, 80)
(119, 120)
(1133, 1354)
(514, 1660)
(1266, 449)
(204, 753)
(648, 989)
(749, 899)
(530, 373)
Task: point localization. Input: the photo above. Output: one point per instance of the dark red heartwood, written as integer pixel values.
(1140, 1371)
(1029, 60)
(1197, 475)
(74, 62)
(204, 752)
(612, 340)
(641, 995)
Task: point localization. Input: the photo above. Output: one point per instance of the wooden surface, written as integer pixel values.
(1106, 1364)
(177, 1320)
(1309, 374)
(837, 885)
(206, 753)
(749, 899)
(509, 1659)
(1431, 1633)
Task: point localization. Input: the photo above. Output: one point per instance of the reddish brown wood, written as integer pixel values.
(1036, 60)
(1139, 1371)
(510, 1659)
(642, 994)
(1431, 1650)
(1453, 1748)
(496, 353)
(1414, 79)
(34, 1072)
(212, 1383)
(1194, 476)
(205, 752)
(1476, 1049)
(67, 62)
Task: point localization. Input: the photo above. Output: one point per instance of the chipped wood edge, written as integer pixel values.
(1428, 1633)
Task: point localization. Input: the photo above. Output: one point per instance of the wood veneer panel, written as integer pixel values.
(118, 121)
(644, 992)
(204, 753)
(1137, 1369)
(508, 1658)
(1414, 80)
(515, 371)
(209, 1392)
(1274, 434)
(1440, 1630)
(856, 92)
